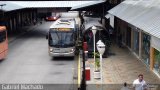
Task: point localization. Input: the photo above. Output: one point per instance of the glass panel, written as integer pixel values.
(136, 42)
(146, 48)
(67, 38)
(157, 61)
(61, 39)
(53, 38)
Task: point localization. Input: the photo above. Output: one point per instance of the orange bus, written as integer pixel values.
(3, 42)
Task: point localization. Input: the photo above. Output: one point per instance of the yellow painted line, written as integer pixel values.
(79, 71)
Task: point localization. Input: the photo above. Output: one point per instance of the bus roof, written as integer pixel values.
(64, 23)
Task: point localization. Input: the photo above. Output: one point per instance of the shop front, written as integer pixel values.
(155, 55)
(145, 54)
(128, 37)
(141, 35)
(136, 41)
(157, 61)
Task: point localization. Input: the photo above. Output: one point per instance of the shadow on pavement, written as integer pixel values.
(62, 58)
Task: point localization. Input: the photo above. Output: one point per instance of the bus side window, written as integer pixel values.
(2, 36)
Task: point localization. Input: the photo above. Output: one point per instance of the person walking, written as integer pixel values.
(125, 87)
(139, 84)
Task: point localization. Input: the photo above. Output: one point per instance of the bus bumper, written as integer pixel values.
(70, 54)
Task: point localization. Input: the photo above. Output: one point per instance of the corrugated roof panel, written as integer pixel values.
(32, 4)
(10, 6)
(144, 14)
(90, 22)
(87, 4)
(149, 21)
(14, 5)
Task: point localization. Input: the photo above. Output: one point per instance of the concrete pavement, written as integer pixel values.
(117, 69)
(29, 62)
(121, 67)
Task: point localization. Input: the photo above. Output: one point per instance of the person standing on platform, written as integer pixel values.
(139, 84)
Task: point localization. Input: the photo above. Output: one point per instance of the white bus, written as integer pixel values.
(62, 38)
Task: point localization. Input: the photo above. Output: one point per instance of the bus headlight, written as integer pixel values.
(51, 49)
(72, 50)
(54, 17)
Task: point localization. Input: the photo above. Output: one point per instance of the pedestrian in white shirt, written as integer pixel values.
(139, 84)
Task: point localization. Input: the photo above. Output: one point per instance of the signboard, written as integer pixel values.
(64, 29)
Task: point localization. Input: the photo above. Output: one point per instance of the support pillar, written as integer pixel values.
(151, 58)
(140, 44)
(132, 39)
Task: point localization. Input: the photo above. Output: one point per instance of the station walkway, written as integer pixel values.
(122, 66)
(118, 68)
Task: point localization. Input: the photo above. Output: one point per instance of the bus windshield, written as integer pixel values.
(61, 39)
